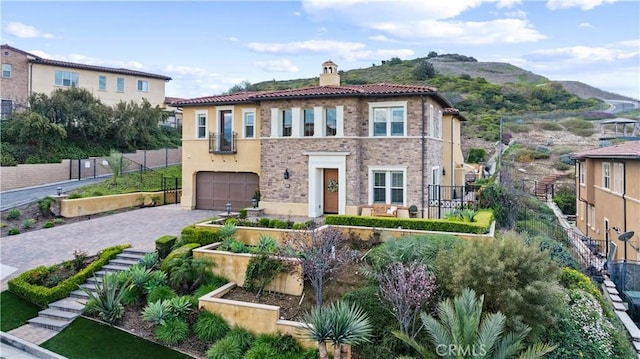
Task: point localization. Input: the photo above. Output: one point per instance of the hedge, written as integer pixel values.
(480, 226)
(183, 251)
(164, 244)
(203, 236)
(42, 296)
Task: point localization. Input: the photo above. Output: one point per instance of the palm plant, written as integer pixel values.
(341, 323)
(462, 333)
(188, 273)
(107, 299)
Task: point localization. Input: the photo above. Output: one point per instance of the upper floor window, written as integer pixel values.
(618, 177)
(143, 85)
(102, 83)
(439, 125)
(582, 174)
(388, 186)
(120, 84)
(388, 118)
(201, 125)
(606, 175)
(6, 70)
(66, 78)
(286, 123)
(249, 120)
(330, 121)
(309, 123)
(432, 121)
(6, 109)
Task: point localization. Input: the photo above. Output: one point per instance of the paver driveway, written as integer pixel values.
(140, 228)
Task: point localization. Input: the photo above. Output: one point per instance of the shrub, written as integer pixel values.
(261, 351)
(266, 244)
(558, 252)
(242, 337)
(566, 159)
(560, 166)
(406, 249)
(262, 270)
(183, 251)
(476, 155)
(173, 331)
(549, 126)
(243, 213)
(228, 230)
(188, 273)
(14, 213)
(161, 292)
(579, 127)
(13, 231)
(149, 260)
(75, 196)
(225, 348)
(42, 296)
(210, 327)
(180, 306)
(264, 222)
(203, 236)
(49, 224)
(164, 244)
(157, 312)
(45, 206)
(205, 289)
(565, 198)
(28, 223)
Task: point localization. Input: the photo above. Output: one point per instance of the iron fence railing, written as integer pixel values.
(444, 199)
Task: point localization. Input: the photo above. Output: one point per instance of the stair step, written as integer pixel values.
(123, 262)
(139, 252)
(49, 323)
(129, 256)
(93, 280)
(79, 294)
(113, 268)
(89, 285)
(69, 304)
(58, 314)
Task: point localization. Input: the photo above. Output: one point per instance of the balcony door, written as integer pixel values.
(226, 130)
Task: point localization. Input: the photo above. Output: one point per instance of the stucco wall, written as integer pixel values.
(92, 205)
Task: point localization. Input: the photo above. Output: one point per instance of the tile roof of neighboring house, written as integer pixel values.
(169, 100)
(73, 65)
(628, 149)
(454, 112)
(40, 60)
(320, 91)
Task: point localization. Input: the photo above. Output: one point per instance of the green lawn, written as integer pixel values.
(86, 338)
(15, 311)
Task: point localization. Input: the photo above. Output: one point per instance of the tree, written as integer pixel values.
(515, 278)
(462, 332)
(424, 70)
(341, 323)
(241, 87)
(407, 289)
(321, 255)
(35, 130)
(116, 164)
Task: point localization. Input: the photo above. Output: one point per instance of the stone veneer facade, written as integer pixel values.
(278, 154)
(16, 87)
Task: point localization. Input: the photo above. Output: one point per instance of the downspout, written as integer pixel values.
(624, 205)
(423, 144)
(453, 171)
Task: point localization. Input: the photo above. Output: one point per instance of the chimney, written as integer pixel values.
(329, 75)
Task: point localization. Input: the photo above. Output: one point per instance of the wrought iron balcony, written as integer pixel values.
(222, 143)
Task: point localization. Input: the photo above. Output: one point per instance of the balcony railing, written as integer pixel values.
(222, 142)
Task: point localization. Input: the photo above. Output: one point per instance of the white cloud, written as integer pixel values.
(585, 54)
(586, 25)
(582, 4)
(25, 31)
(379, 38)
(232, 39)
(282, 65)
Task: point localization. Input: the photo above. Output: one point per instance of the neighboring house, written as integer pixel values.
(174, 119)
(453, 165)
(24, 74)
(315, 150)
(608, 195)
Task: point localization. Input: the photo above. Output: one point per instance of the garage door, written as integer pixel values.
(215, 189)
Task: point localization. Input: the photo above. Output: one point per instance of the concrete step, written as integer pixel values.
(69, 304)
(130, 256)
(79, 294)
(58, 314)
(93, 280)
(132, 251)
(113, 268)
(89, 285)
(123, 262)
(49, 323)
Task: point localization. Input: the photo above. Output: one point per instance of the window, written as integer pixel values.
(606, 175)
(618, 177)
(6, 109)
(143, 85)
(388, 119)
(439, 125)
(388, 186)
(330, 121)
(432, 121)
(308, 122)
(6, 70)
(66, 78)
(120, 84)
(286, 123)
(201, 125)
(102, 83)
(249, 120)
(591, 218)
(582, 174)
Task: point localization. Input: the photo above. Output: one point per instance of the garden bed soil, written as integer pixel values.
(32, 210)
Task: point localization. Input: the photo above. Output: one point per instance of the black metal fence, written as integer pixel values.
(444, 199)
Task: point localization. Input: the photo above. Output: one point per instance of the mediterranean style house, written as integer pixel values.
(608, 196)
(321, 149)
(24, 74)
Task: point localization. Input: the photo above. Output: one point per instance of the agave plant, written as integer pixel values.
(158, 312)
(180, 306)
(149, 260)
(228, 230)
(341, 324)
(107, 299)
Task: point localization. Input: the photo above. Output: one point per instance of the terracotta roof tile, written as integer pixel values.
(236, 97)
(628, 149)
(40, 60)
(454, 112)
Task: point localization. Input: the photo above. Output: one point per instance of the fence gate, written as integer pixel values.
(171, 189)
(443, 199)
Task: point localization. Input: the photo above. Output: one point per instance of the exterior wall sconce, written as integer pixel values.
(286, 173)
(444, 172)
(59, 191)
(228, 206)
(254, 203)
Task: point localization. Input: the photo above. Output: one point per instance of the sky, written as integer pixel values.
(206, 47)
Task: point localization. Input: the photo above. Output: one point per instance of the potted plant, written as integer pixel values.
(256, 198)
(413, 211)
